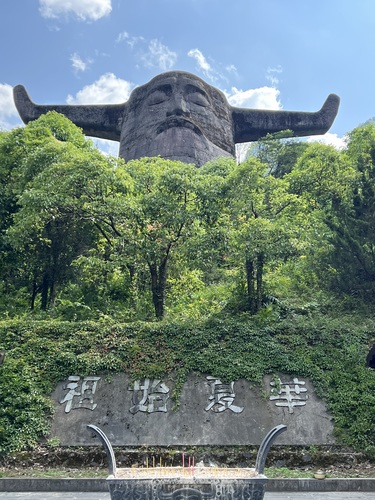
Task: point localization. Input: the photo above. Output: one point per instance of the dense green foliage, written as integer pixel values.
(246, 269)
(84, 236)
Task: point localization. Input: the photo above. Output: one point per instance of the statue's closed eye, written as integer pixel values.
(157, 97)
(198, 98)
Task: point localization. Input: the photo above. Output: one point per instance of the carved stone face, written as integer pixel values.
(177, 116)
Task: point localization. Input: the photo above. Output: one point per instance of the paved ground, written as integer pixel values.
(54, 496)
(319, 496)
(106, 496)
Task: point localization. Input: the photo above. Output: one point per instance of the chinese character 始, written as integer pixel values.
(149, 396)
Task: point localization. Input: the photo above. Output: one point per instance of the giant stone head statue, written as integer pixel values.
(180, 117)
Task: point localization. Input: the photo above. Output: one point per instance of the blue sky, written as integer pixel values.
(275, 54)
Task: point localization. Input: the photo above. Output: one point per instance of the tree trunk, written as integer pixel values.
(250, 283)
(45, 289)
(254, 282)
(259, 278)
(158, 284)
(55, 272)
(132, 298)
(52, 293)
(33, 295)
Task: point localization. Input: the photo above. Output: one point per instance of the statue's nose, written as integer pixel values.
(177, 106)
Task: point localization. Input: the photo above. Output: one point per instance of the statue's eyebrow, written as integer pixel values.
(165, 88)
(194, 88)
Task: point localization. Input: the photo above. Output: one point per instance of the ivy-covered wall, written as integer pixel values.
(330, 351)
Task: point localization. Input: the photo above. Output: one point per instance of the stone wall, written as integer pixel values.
(209, 412)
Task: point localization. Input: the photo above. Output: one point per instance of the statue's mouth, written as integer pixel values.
(178, 122)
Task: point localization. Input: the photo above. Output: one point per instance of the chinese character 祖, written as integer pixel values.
(149, 396)
(289, 394)
(81, 393)
(222, 397)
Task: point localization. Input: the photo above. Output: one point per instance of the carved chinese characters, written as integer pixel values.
(152, 395)
(289, 394)
(80, 393)
(206, 410)
(222, 397)
(149, 396)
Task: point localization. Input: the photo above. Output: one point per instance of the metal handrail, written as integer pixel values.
(108, 448)
(266, 445)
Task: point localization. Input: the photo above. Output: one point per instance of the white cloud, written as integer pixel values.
(260, 98)
(8, 111)
(209, 69)
(78, 63)
(108, 89)
(272, 75)
(159, 56)
(54, 28)
(203, 65)
(202, 62)
(231, 68)
(84, 10)
(329, 139)
(7, 106)
(241, 151)
(129, 39)
(124, 35)
(151, 53)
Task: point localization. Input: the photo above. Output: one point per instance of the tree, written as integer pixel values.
(266, 224)
(207, 249)
(162, 216)
(280, 154)
(355, 257)
(17, 147)
(72, 207)
(326, 179)
(58, 212)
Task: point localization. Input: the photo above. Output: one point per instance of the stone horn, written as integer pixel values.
(102, 121)
(253, 124)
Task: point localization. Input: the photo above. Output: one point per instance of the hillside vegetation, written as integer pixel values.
(156, 267)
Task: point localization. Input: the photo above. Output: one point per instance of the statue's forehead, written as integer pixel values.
(180, 81)
(174, 82)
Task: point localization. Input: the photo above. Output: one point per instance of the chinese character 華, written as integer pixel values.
(289, 394)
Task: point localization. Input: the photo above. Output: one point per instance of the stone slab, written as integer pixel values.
(209, 412)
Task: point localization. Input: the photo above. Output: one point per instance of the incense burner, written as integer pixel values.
(188, 483)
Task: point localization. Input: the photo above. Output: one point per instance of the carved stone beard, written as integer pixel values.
(176, 143)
